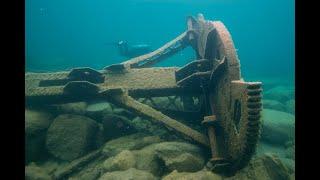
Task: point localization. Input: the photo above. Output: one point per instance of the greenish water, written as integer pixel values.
(65, 34)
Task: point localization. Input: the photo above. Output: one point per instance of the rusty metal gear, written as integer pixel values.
(238, 113)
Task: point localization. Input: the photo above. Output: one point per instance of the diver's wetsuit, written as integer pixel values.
(133, 50)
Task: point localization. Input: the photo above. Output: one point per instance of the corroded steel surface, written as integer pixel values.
(144, 78)
(156, 56)
(132, 79)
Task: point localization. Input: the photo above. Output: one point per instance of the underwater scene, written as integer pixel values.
(160, 89)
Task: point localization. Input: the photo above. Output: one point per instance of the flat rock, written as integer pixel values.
(131, 142)
(71, 136)
(200, 175)
(99, 106)
(98, 109)
(132, 174)
(278, 127)
(273, 104)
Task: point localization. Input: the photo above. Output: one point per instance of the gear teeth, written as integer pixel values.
(254, 92)
(254, 117)
(254, 111)
(253, 130)
(256, 85)
(254, 105)
(256, 98)
(254, 123)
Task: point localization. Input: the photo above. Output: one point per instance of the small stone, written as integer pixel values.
(99, 106)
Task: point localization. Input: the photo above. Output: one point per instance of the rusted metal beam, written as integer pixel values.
(156, 56)
(128, 102)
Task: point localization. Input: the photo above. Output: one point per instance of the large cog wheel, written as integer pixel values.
(237, 104)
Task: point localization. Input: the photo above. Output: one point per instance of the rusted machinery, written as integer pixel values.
(229, 106)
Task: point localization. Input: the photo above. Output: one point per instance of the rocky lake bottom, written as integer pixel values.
(98, 140)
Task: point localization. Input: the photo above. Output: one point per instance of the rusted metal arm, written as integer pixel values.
(158, 55)
(123, 99)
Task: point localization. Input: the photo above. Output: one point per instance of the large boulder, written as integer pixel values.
(132, 174)
(273, 104)
(265, 167)
(200, 175)
(280, 93)
(71, 136)
(131, 142)
(278, 127)
(36, 125)
(33, 172)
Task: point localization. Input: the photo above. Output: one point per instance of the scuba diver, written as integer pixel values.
(131, 51)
